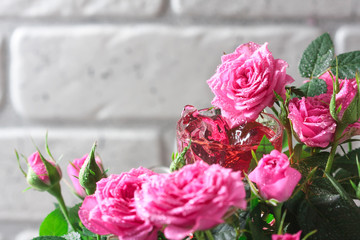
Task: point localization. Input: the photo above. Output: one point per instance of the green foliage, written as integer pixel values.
(333, 216)
(54, 224)
(265, 147)
(314, 87)
(178, 160)
(49, 238)
(74, 216)
(317, 57)
(224, 232)
(348, 64)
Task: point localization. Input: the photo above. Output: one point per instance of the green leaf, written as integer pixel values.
(265, 147)
(333, 217)
(338, 187)
(256, 224)
(348, 64)
(74, 216)
(307, 164)
(317, 57)
(49, 238)
(54, 224)
(224, 232)
(348, 162)
(314, 87)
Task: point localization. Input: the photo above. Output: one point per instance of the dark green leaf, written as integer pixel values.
(314, 87)
(348, 162)
(333, 217)
(74, 216)
(54, 224)
(317, 57)
(256, 224)
(308, 163)
(224, 232)
(338, 188)
(348, 64)
(296, 92)
(265, 147)
(49, 238)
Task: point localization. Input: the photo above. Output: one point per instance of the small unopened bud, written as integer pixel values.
(42, 174)
(90, 173)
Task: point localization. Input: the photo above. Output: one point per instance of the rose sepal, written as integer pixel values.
(90, 173)
(352, 112)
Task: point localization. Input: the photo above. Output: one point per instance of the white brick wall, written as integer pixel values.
(119, 72)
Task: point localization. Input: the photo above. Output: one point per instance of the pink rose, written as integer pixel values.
(245, 82)
(286, 236)
(194, 198)
(111, 209)
(73, 170)
(38, 170)
(311, 120)
(274, 177)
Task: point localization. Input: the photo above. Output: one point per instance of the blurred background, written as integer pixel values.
(120, 71)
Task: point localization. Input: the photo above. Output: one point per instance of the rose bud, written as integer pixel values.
(274, 177)
(90, 173)
(42, 174)
(312, 121)
(73, 171)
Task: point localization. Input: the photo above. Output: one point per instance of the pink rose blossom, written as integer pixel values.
(39, 168)
(274, 177)
(73, 170)
(194, 198)
(311, 120)
(286, 236)
(245, 82)
(111, 209)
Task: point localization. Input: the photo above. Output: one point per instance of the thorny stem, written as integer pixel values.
(56, 192)
(330, 161)
(290, 144)
(277, 215)
(209, 235)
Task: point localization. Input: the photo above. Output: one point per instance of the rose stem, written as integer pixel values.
(56, 192)
(277, 215)
(338, 133)
(209, 235)
(290, 144)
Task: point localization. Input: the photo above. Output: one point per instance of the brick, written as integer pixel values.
(347, 39)
(36, 8)
(263, 9)
(119, 8)
(18, 230)
(80, 8)
(120, 151)
(2, 72)
(103, 72)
